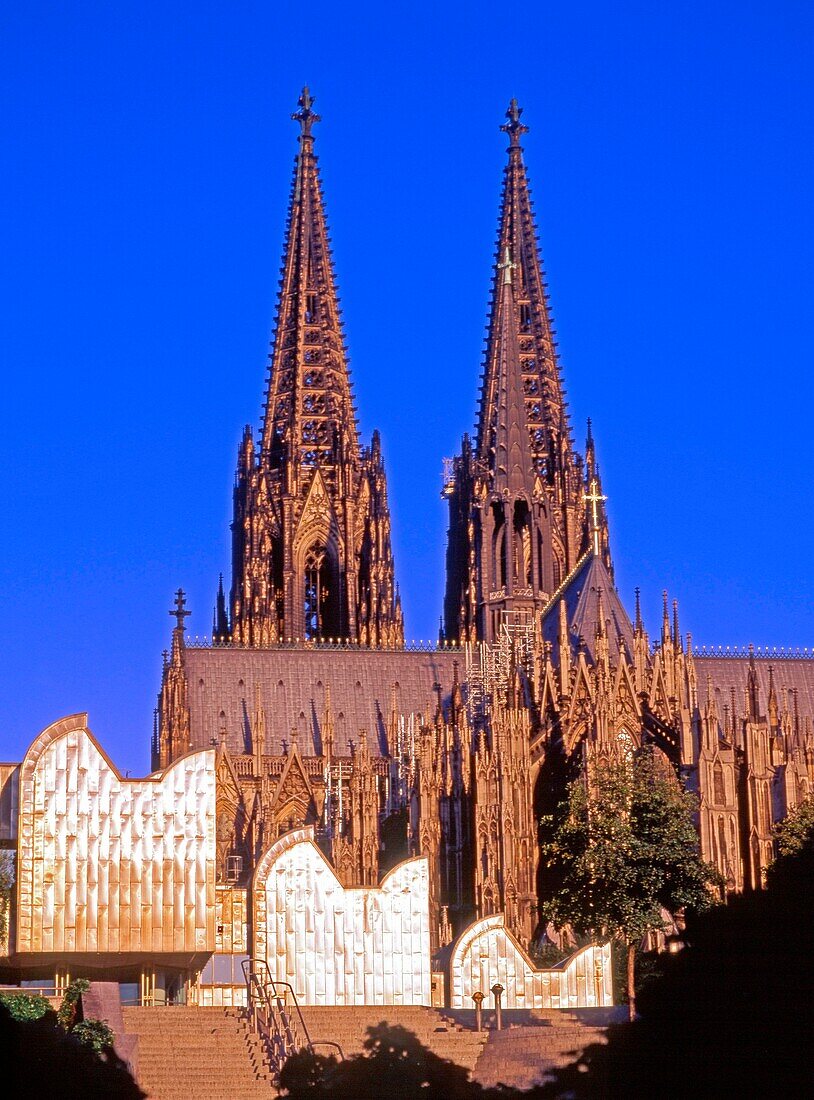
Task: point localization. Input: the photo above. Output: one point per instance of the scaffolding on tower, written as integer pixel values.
(489, 667)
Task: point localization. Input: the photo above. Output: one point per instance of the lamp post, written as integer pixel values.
(497, 993)
(478, 999)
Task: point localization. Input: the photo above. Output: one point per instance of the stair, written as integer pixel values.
(348, 1027)
(528, 1049)
(187, 1053)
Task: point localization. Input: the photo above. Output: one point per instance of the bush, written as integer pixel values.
(25, 1006)
(70, 1002)
(94, 1034)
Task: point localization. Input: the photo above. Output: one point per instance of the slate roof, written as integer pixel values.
(581, 591)
(788, 673)
(292, 691)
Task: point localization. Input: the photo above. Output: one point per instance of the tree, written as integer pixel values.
(794, 831)
(621, 849)
(730, 1015)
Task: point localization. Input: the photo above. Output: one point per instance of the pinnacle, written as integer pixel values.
(305, 116)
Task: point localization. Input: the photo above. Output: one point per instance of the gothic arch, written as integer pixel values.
(321, 595)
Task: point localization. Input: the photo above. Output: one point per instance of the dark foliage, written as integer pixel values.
(38, 1060)
(731, 1015)
(397, 1067)
(25, 1006)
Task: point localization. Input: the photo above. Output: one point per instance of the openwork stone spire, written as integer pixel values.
(311, 534)
(539, 371)
(309, 418)
(518, 516)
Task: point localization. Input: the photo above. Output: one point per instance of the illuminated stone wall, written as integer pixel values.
(109, 864)
(487, 954)
(338, 945)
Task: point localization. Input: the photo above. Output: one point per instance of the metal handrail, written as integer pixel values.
(268, 1004)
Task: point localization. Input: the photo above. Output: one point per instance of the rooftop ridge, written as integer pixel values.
(206, 641)
(775, 653)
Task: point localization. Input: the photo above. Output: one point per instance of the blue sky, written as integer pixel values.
(146, 161)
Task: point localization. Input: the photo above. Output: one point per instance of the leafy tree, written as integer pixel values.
(730, 1015)
(622, 849)
(792, 833)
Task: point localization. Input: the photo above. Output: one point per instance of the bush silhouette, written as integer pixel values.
(39, 1060)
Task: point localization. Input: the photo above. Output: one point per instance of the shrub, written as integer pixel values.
(95, 1034)
(25, 1006)
(70, 1002)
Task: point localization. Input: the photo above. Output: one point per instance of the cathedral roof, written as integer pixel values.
(590, 600)
(291, 685)
(728, 674)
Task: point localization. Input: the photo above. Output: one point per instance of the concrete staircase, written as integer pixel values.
(533, 1044)
(348, 1027)
(198, 1054)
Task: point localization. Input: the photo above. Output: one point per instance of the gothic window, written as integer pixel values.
(314, 378)
(722, 845)
(522, 544)
(531, 386)
(718, 789)
(310, 309)
(525, 318)
(764, 798)
(733, 848)
(625, 743)
(321, 595)
(557, 573)
(499, 548)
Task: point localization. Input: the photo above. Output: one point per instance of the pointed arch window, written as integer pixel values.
(718, 788)
(522, 544)
(321, 594)
(499, 547)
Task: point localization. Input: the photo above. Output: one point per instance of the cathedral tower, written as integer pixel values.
(311, 553)
(518, 520)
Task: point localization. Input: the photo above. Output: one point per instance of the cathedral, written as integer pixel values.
(319, 713)
(323, 729)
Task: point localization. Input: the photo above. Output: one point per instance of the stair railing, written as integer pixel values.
(276, 1015)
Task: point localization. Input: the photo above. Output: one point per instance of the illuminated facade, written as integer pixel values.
(358, 813)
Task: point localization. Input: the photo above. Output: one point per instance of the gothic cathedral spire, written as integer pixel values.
(311, 553)
(518, 518)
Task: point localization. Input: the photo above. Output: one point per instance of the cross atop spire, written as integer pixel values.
(179, 611)
(305, 116)
(514, 127)
(594, 498)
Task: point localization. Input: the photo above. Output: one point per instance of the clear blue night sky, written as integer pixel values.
(146, 163)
